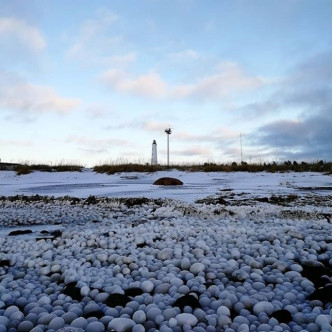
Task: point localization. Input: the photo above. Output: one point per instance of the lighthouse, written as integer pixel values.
(154, 153)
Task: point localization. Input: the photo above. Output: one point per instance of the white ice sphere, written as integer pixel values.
(263, 306)
(243, 328)
(121, 324)
(95, 327)
(147, 286)
(196, 268)
(138, 328)
(185, 263)
(162, 288)
(165, 254)
(172, 322)
(223, 310)
(79, 322)
(25, 326)
(323, 320)
(90, 307)
(224, 320)
(186, 319)
(85, 290)
(176, 282)
(44, 300)
(56, 323)
(139, 316)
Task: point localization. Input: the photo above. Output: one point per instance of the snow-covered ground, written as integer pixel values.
(196, 185)
(224, 252)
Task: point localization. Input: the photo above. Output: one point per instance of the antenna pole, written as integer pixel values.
(241, 146)
(168, 131)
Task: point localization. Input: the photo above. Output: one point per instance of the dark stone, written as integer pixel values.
(20, 232)
(97, 313)
(168, 182)
(4, 263)
(56, 233)
(323, 294)
(133, 291)
(187, 301)
(314, 271)
(141, 245)
(116, 299)
(282, 316)
(73, 291)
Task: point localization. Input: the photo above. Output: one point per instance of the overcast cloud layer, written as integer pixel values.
(90, 82)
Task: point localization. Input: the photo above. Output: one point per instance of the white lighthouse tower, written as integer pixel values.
(154, 153)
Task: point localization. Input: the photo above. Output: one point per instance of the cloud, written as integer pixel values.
(184, 55)
(147, 85)
(197, 151)
(19, 143)
(18, 95)
(97, 145)
(93, 41)
(15, 30)
(228, 79)
(154, 126)
(307, 89)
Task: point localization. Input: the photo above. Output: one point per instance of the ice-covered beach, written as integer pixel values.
(82, 251)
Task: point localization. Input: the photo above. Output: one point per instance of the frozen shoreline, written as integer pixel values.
(254, 255)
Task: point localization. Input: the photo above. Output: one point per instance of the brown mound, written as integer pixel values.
(168, 182)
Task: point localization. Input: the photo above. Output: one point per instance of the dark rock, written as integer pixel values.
(314, 271)
(187, 301)
(4, 263)
(282, 316)
(133, 291)
(116, 299)
(20, 232)
(56, 233)
(97, 313)
(323, 294)
(73, 291)
(168, 182)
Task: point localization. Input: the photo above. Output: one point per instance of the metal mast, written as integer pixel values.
(168, 131)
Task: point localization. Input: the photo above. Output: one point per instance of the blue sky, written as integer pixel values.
(97, 81)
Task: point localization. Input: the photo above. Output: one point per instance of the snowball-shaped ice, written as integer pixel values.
(186, 319)
(263, 306)
(121, 324)
(56, 323)
(196, 268)
(139, 316)
(95, 327)
(147, 286)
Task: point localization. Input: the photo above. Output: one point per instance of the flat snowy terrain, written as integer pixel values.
(228, 252)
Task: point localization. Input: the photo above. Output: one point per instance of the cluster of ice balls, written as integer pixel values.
(240, 271)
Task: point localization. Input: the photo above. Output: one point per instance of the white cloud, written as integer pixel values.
(184, 55)
(229, 79)
(148, 85)
(155, 126)
(14, 142)
(93, 40)
(97, 144)
(22, 96)
(18, 30)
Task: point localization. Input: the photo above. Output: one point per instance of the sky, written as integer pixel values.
(95, 82)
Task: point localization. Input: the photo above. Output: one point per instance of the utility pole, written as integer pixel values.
(241, 146)
(168, 131)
